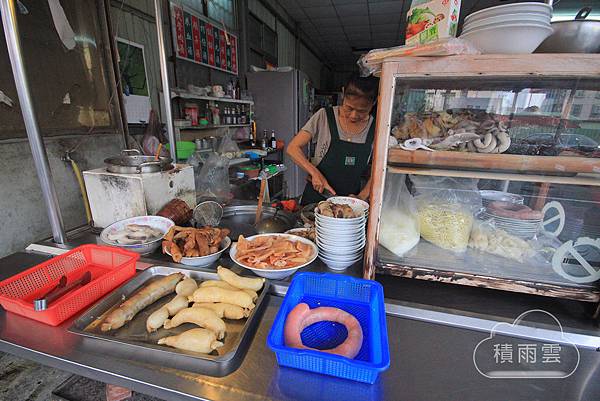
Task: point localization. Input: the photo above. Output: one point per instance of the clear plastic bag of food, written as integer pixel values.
(399, 227)
(446, 207)
(228, 147)
(213, 180)
(487, 238)
(370, 63)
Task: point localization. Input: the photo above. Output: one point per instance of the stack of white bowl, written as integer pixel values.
(517, 28)
(341, 241)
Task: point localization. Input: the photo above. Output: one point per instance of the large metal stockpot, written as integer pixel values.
(131, 161)
(577, 36)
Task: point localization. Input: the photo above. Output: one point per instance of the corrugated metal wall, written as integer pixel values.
(286, 46)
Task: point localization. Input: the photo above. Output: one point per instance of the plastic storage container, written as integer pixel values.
(361, 298)
(109, 266)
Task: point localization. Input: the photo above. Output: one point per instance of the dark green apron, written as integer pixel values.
(343, 165)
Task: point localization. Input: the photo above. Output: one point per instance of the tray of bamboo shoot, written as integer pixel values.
(177, 318)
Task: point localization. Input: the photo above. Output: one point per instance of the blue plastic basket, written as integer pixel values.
(361, 298)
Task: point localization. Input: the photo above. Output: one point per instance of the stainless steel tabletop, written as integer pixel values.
(429, 361)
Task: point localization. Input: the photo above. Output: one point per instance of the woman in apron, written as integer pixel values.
(344, 141)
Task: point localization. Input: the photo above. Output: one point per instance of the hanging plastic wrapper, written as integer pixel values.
(213, 180)
(370, 63)
(399, 227)
(446, 208)
(228, 147)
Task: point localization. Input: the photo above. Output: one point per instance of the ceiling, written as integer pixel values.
(340, 29)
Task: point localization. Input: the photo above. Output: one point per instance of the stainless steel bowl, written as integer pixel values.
(577, 36)
(240, 219)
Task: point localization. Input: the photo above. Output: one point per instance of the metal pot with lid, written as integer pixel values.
(578, 36)
(131, 161)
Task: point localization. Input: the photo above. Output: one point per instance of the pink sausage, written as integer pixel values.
(302, 316)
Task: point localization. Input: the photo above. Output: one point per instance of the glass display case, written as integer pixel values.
(486, 172)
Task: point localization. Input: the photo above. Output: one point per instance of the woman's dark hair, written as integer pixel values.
(362, 86)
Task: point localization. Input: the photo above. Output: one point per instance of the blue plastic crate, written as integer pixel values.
(361, 298)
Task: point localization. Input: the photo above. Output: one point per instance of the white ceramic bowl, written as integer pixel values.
(508, 19)
(336, 257)
(160, 223)
(508, 39)
(205, 261)
(340, 241)
(515, 8)
(346, 243)
(337, 265)
(340, 227)
(276, 274)
(345, 254)
(495, 24)
(326, 232)
(324, 221)
(355, 203)
(346, 238)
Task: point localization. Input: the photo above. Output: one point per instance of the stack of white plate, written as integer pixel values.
(341, 241)
(525, 229)
(517, 28)
(489, 196)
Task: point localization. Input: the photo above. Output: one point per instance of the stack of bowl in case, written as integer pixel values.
(341, 241)
(517, 28)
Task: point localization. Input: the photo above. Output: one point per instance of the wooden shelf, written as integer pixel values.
(187, 95)
(581, 179)
(211, 126)
(480, 161)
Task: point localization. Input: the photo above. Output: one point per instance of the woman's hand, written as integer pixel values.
(319, 182)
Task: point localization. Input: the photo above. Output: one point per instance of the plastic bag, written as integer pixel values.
(399, 228)
(153, 136)
(371, 62)
(213, 180)
(446, 207)
(485, 237)
(228, 146)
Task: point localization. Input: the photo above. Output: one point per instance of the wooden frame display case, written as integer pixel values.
(516, 141)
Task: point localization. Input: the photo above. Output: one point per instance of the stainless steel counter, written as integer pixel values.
(430, 361)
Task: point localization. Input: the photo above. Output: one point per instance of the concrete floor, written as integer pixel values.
(23, 380)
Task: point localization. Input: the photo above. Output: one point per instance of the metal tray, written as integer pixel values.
(132, 341)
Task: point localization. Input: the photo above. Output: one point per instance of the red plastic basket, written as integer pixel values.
(109, 266)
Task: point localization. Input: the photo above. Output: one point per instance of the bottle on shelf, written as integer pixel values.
(208, 113)
(251, 138)
(230, 89)
(216, 115)
(273, 140)
(237, 89)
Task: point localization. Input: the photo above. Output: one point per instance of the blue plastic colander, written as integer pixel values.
(361, 298)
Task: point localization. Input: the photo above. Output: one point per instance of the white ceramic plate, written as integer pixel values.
(296, 231)
(157, 222)
(204, 261)
(522, 17)
(276, 274)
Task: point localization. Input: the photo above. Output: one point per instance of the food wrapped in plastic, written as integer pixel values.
(213, 180)
(445, 208)
(370, 63)
(399, 228)
(489, 239)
